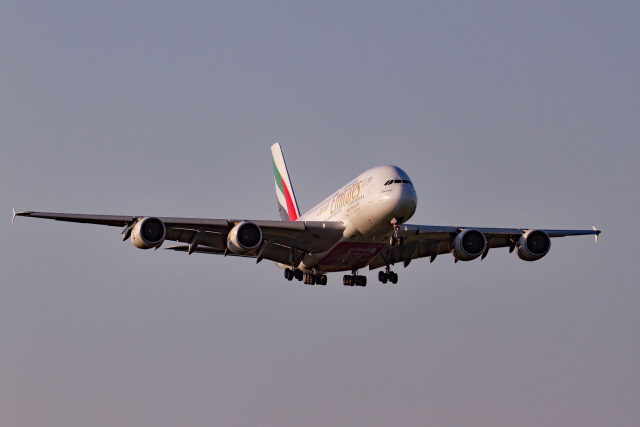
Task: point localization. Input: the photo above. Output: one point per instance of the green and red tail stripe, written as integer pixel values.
(287, 204)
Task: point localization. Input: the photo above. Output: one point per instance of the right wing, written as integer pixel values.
(422, 241)
(283, 241)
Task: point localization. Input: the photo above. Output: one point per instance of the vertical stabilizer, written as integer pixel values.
(287, 204)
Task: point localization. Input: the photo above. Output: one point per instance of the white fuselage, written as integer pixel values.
(367, 206)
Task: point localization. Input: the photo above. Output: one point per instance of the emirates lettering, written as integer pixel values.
(346, 196)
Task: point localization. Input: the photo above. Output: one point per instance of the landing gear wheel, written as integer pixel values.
(298, 274)
(383, 277)
(288, 274)
(388, 275)
(354, 280)
(393, 277)
(322, 280)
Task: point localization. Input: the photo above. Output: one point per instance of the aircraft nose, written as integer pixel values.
(407, 201)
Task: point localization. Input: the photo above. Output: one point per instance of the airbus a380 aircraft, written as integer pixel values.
(362, 224)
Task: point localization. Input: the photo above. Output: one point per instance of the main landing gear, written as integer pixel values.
(388, 275)
(290, 274)
(354, 279)
(309, 278)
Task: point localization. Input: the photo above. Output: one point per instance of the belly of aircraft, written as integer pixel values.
(348, 256)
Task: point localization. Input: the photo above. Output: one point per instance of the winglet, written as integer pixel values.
(15, 214)
(597, 233)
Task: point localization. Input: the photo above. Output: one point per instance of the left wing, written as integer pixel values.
(281, 241)
(421, 241)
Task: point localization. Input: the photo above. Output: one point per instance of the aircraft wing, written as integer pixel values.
(283, 241)
(421, 241)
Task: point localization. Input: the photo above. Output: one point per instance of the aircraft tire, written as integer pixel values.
(288, 274)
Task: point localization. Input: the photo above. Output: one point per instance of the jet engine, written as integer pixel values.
(533, 245)
(468, 245)
(244, 238)
(148, 233)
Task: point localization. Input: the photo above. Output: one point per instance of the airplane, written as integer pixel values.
(363, 224)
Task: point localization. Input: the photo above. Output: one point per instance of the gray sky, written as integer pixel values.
(512, 114)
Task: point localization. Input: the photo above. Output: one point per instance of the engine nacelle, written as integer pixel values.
(533, 245)
(148, 233)
(468, 245)
(244, 238)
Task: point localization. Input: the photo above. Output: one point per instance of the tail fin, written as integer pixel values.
(287, 204)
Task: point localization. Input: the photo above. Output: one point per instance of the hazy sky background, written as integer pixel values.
(506, 114)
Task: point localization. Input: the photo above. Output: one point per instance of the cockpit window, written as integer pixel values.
(398, 181)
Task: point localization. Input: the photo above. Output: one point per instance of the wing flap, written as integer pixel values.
(272, 252)
(206, 238)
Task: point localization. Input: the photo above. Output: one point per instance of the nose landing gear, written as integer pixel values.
(396, 239)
